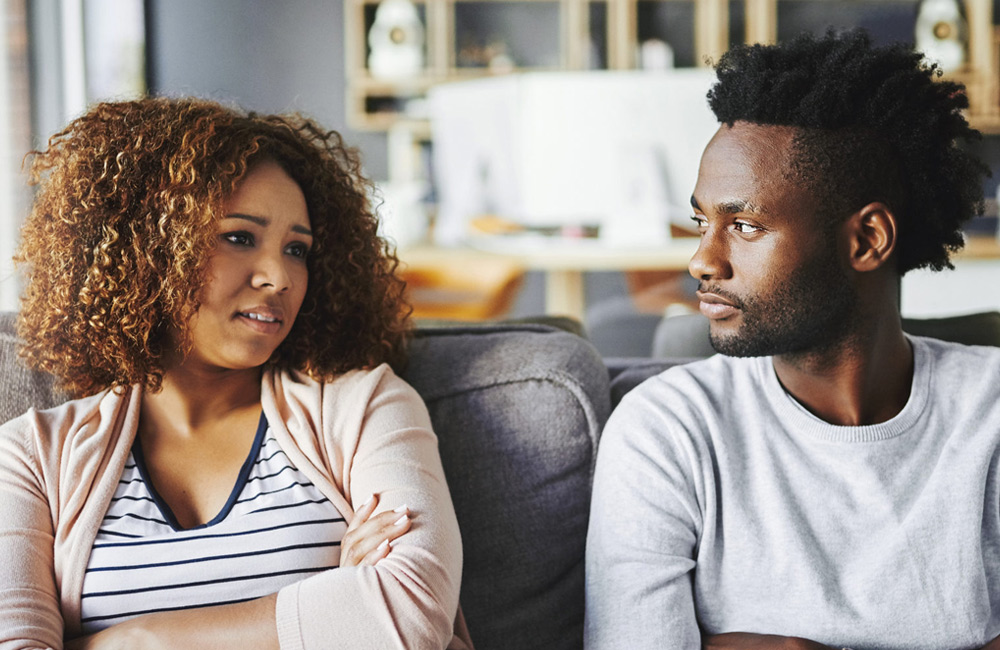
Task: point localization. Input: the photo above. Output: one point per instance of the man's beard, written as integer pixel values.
(811, 312)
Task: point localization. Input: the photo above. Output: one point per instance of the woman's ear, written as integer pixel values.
(871, 236)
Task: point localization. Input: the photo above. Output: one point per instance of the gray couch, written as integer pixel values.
(518, 410)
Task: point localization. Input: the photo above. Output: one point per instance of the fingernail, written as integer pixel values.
(383, 545)
(402, 520)
(402, 508)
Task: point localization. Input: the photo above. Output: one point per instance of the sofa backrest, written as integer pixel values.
(687, 336)
(518, 410)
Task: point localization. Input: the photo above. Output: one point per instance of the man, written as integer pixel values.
(827, 481)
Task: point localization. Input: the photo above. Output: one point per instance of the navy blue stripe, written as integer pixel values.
(129, 497)
(288, 505)
(212, 558)
(102, 531)
(178, 540)
(203, 583)
(123, 482)
(282, 489)
(261, 478)
(264, 460)
(134, 516)
(94, 619)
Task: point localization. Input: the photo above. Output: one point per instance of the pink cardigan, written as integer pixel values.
(59, 469)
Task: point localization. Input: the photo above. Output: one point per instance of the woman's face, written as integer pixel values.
(257, 275)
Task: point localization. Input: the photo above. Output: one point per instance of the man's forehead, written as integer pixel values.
(766, 141)
(745, 170)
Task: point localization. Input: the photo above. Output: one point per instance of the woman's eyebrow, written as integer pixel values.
(261, 221)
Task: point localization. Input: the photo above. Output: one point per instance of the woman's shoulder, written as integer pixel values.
(82, 409)
(350, 384)
(43, 433)
(347, 398)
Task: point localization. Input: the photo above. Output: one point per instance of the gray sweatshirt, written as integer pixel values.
(722, 505)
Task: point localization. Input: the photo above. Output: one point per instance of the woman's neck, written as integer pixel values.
(191, 400)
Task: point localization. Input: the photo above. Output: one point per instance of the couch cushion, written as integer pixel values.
(518, 411)
(21, 388)
(627, 373)
(971, 329)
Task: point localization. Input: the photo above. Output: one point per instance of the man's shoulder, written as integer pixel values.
(715, 374)
(957, 359)
(704, 388)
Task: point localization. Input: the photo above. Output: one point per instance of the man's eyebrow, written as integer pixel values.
(261, 221)
(731, 207)
(736, 207)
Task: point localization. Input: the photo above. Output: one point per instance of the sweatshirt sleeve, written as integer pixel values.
(410, 598)
(645, 523)
(29, 606)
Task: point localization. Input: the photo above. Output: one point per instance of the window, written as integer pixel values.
(15, 140)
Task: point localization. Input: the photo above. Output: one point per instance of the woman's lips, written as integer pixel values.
(716, 307)
(260, 322)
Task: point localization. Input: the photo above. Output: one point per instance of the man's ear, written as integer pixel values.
(871, 236)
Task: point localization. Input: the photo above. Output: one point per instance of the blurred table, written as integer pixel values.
(980, 247)
(563, 262)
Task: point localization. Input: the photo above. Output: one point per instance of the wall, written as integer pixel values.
(260, 54)
(289, 55)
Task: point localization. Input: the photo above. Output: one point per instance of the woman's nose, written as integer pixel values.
(270, 272)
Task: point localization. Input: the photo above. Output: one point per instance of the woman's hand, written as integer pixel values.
(993, 645)
(369, 539)
(746, 641)
(118, 637)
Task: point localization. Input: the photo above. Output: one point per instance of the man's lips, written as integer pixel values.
(716, 307)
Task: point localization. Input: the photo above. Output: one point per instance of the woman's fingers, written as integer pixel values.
(369, 538)
(400, 525)
(365, 511)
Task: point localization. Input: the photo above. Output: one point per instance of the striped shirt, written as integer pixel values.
(276, 528)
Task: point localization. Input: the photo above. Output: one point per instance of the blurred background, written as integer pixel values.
(531, 156)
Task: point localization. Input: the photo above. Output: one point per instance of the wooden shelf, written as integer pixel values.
(618, 38)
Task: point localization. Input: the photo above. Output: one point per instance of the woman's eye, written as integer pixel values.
(298, 250)
(239, 238)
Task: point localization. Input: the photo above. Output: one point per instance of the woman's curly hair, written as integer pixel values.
(117, 244)
(875, 126)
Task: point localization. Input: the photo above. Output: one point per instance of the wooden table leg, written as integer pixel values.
(564, 294)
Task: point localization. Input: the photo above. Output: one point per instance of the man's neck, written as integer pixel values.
(863, 379)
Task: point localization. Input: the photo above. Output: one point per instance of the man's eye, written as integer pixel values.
(745, 228)
(698, 221)
(239, 238)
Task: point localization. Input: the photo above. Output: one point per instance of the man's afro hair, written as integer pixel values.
(876, 125)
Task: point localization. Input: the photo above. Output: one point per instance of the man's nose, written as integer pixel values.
(711, 260)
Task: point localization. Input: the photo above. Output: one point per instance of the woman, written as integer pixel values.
(213, 285)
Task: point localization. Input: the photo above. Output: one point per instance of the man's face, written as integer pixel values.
(771, 280)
